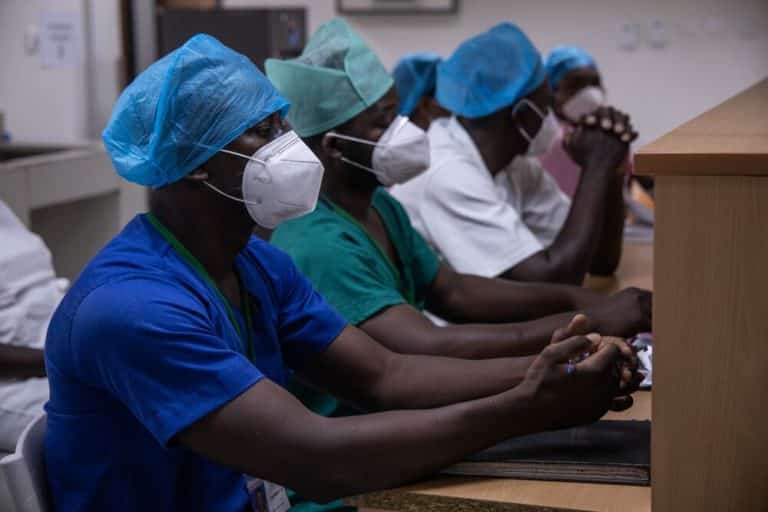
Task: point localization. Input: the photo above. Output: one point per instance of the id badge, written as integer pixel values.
(266, 496)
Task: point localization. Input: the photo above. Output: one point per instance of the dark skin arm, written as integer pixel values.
(600, 153)
(266, 432)
(484, 303)
(608, 253)
(21, 362)
(385, 379)
(463, 298)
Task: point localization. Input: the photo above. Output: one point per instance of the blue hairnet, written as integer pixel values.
(184, 108)
(563, 59)
(489, 72)
(415, 75)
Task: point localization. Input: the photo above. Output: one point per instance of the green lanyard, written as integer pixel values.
(193, 262)
(395, 271)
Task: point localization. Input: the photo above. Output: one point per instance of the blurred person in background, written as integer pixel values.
(415, 78)
(29, 294)
(579, 91)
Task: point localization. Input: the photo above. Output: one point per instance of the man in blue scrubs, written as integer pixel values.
(167, 358)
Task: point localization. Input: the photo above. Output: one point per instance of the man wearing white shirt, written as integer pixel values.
(485, 203)
(29, 294)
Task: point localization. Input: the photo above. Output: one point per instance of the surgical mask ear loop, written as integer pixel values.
(228, 196)
(353, 139)
(266, 179)
(352, 162)
(532, 106)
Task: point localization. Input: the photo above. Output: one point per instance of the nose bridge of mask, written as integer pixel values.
(269, 151)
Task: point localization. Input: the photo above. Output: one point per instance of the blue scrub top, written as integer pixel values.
(141, 348)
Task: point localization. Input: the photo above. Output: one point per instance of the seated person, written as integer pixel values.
(415, 77)
(484, 203)
(359, 248)
(29, 293)
(168, 357)
(578, 91)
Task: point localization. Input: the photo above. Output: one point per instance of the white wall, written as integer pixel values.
(60, 105)
(715, 48)
(41, 104)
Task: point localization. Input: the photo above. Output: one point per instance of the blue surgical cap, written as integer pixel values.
(489, 72)
(563, 59)
(415, 75)
(184, 108)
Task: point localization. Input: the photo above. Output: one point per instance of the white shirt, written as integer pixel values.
(480, 224)
(29, 294)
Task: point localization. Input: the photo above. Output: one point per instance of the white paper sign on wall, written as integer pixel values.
(60, 38)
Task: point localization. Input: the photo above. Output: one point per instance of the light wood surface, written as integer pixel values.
(731, 139)
(710, 436)
(464, 494)
(449, 494)
(635, 269)
(709, 441)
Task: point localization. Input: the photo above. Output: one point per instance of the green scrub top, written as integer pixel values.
(356, 276)
(349, 268)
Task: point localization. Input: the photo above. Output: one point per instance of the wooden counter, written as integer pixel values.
(465, 494)
(710, 436)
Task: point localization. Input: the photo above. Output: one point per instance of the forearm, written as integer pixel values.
(327, 458)
(478, 341)
(569, 257)
(399, 447)
(479, 299)
(417, 382)
(21, 362)
(608, 253)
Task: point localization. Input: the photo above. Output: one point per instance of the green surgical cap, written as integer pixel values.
(335, 78)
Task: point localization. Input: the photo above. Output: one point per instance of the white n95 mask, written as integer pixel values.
(400, 154)
(584, 102)
(548, 132)
(281, 181)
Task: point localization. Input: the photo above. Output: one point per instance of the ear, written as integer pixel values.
(330, 146)
(198, 175)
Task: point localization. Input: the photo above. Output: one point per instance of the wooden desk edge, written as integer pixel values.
(410, 501)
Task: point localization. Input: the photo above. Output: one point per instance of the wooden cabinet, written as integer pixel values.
(710, 436)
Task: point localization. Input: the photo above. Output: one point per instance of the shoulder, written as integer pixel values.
(322, 232)
(320, 225)
(134, 300)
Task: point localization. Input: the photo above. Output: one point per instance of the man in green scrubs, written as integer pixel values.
(358, 247)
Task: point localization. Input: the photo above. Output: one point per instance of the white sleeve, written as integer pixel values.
(545, 206)
(470, 223)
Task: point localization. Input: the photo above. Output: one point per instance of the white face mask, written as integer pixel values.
(281, 181)
(584, 102)
(548, 132)
(400, 154)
